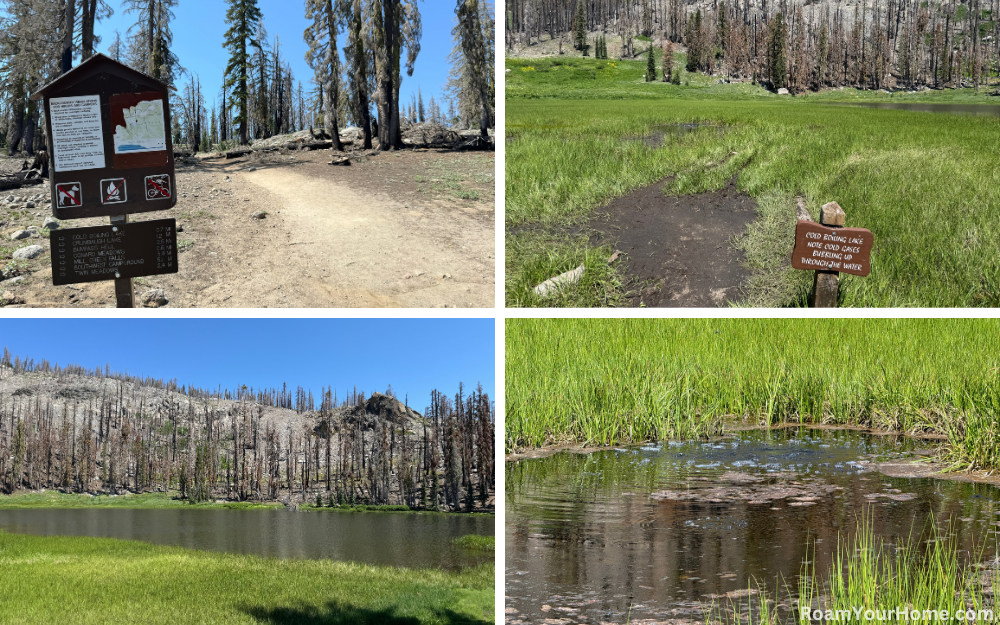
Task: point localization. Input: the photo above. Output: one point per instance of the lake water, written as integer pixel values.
(396, 539)
(985, 110)
(654, 532)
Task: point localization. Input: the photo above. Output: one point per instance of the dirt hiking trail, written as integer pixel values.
(413, 228)
(372, 250)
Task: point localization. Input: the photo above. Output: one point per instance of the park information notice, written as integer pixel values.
(143, 248)
(77, 134)
(847, 250)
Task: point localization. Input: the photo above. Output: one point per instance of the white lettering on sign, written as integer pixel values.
(77, 134)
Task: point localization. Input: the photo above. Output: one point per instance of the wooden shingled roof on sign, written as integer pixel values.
(91, 68)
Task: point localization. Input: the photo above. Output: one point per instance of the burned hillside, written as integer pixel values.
(97, 431)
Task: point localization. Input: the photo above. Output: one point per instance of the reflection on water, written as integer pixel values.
(985, 110)
(396, 539)
(662, 528)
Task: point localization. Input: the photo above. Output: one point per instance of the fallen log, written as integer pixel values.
(343, 160)
(306, 145)
(238, 152)
(20, 179)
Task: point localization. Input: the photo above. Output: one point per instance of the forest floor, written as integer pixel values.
(649, 185)
(413, 228)
(100, 580)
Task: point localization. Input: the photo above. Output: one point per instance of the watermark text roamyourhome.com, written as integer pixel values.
(899, 614)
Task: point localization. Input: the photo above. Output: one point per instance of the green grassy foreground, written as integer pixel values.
(926, 184)
(55, 499)
(609, 381)
(97, 580)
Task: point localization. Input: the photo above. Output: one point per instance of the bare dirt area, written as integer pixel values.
(413, 228)
(678, 249)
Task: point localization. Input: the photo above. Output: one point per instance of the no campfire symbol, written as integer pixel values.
(113, 191)
(68, 194)
(158, 187)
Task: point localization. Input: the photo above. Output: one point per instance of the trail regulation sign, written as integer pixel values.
(107, 127)
(107, 122)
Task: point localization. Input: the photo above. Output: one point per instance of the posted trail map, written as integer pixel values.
(144, 130)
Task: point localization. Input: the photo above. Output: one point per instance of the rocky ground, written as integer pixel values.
(283, 228)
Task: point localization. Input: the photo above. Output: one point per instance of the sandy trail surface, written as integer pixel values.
(407, 229)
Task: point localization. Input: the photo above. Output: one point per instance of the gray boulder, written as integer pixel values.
(29, 252)
(153, 298)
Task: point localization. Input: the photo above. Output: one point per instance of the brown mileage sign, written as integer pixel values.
(818, 247)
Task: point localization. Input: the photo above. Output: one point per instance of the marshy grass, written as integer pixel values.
(873, 580)
(924, 183)
(99, 580)
(476, 542)
(611, 381)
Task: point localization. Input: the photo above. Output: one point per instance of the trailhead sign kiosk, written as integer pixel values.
(108, 132)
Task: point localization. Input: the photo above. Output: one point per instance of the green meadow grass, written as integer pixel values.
(55, 499)
(926, 184)
(477, 542)
(97, 580)
(611, 381)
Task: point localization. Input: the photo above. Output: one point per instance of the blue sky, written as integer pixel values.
(199, 26)
(413, 355)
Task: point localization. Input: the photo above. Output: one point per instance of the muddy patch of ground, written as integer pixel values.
(750, 489)
(413, 228)
(678, 249)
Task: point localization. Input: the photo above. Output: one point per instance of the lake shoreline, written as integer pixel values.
(920, 467)
(55, 499)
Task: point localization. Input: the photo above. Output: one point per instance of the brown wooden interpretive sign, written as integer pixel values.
(819, 247)
(108, 130)
(128, 250)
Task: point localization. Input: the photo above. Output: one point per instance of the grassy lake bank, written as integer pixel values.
(95, 580)
(581, 132)
(139, 501)
(632, 380)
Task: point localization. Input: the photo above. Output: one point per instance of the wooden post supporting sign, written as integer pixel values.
(830, 249)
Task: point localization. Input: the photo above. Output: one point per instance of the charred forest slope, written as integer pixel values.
(96, 431)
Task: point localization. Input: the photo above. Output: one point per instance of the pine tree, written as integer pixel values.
(356, 56)
(580, 26)
(693, 40)
(776, 62)
(668, 60)
(242, 17)
(395, 25)
(472, 70)
(324, 58)
(650, 66)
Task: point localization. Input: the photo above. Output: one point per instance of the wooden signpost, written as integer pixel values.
(830, 249)
(108, 131)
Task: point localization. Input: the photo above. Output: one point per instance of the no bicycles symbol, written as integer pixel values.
(158, 187)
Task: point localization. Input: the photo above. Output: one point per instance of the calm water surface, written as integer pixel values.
(662, 528)
(396, 539)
